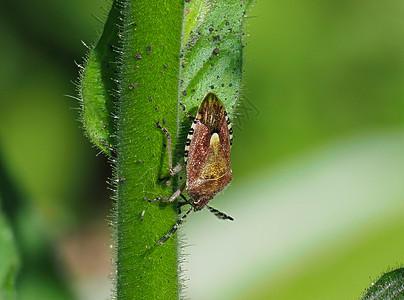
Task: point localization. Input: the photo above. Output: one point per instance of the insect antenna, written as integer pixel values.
(219, 214)
(174, 229)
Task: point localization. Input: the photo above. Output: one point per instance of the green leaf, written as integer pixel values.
(98, 85)
(9, 260)
(212, 52)
(389, 286)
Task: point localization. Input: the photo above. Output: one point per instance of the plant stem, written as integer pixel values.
(148, 91)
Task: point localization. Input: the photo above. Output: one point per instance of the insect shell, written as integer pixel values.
(207, 156)
(207, 152)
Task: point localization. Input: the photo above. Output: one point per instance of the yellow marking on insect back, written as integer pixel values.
(215, 166)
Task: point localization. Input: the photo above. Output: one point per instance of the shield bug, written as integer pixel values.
(207, 159)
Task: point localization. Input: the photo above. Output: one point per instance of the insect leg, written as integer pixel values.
(178, 168)
(174, 229)
(155, 199)
(174, 196)
(219, 214)
(186, 113)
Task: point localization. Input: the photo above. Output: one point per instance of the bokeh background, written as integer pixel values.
(318, 156)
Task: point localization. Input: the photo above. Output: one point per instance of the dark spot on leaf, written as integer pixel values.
(184, 93)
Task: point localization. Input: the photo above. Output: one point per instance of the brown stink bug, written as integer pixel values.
(207, 159)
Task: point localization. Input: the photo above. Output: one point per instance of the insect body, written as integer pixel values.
(207, 152)
(207, 158)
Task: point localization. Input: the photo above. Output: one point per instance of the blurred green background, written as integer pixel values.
(318, 157)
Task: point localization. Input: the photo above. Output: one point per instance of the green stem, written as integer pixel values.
(140, 49)
(148, 91)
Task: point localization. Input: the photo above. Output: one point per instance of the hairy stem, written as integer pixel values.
(148, 91)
